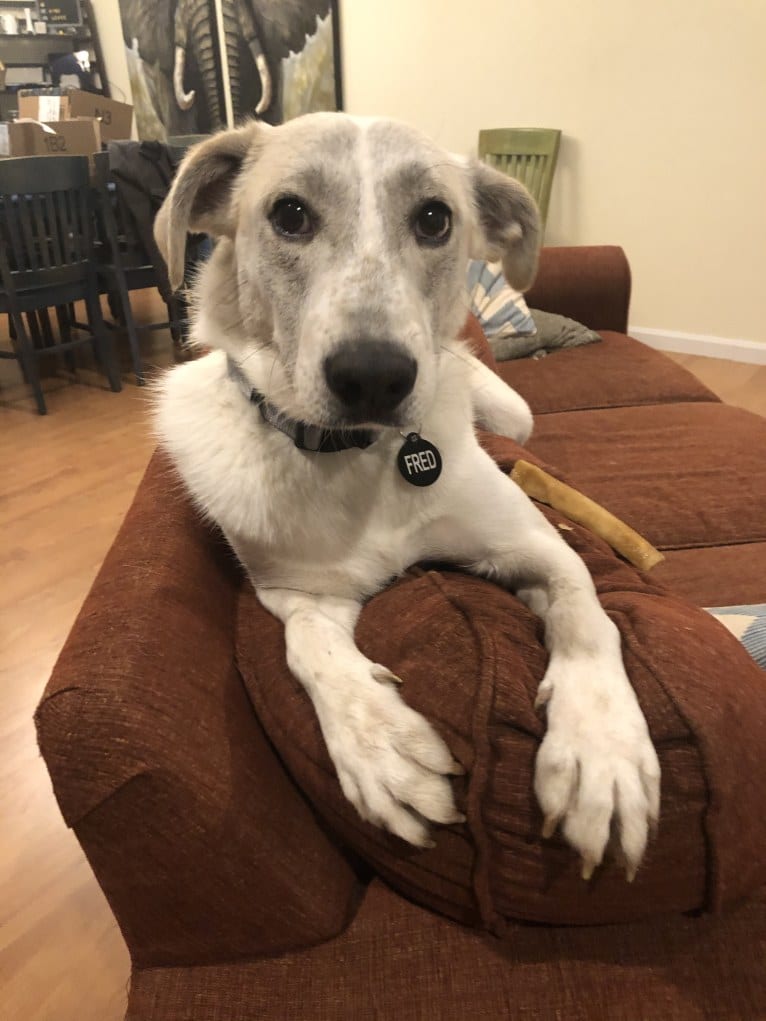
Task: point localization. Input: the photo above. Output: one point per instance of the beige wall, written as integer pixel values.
(107, 13)
(663, 108)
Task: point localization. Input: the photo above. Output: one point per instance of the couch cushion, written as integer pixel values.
(716, 575)
(396, 962)
(684, 475)
(618, 372)
(471, 657)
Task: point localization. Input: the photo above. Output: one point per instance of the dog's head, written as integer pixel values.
(344, 248)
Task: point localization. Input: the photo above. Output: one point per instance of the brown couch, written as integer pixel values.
(244, 885)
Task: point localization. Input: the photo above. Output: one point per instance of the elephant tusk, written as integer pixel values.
(185, 100)
(263, 69)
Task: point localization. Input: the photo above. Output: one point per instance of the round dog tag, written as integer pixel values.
(420, 463)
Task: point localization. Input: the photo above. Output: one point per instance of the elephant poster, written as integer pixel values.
(199, 65)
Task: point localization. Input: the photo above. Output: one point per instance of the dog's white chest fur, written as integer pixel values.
(340, 523)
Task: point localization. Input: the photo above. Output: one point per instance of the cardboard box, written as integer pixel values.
(48, 105)
(43, 106)
(116, 119)
(61, 138)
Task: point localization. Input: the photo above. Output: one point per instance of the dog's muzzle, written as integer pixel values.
(370, 378)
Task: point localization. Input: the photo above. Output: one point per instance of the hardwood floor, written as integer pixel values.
(67, 481)
(737, 383)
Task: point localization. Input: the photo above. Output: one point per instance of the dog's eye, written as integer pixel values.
(292, 218)
(433, 223)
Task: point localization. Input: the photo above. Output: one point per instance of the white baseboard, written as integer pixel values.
(701, 344)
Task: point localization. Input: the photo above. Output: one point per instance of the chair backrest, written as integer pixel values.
(528, 154)
(45, 220)
(121, 234)
(178, 144)
(115, 225)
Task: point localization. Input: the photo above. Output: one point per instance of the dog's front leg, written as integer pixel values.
(391, 763)
(596, 764)
(496, 406)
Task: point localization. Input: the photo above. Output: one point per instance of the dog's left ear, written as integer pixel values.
(508, 223)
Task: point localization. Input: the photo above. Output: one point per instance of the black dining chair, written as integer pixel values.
(123, 264)
(46, 261)
(181, 143)
(127, 259)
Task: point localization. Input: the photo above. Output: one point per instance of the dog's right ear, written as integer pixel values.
(200, 200)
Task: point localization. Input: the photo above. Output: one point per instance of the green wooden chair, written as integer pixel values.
(528, 154)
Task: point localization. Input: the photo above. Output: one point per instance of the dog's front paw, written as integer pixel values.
(597, 764)
(391, 763)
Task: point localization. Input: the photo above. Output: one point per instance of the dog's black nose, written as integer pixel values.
(370, 378)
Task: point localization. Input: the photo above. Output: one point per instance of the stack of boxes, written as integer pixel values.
(64, 121)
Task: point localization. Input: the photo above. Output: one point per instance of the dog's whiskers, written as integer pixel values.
(455, 354)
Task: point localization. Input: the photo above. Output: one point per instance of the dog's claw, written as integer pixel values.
(385, 676)
(544, 693)
(630, 872)
(549, 827)
(456, 769)
(588, 868)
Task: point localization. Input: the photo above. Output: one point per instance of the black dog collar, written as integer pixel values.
(305, 437)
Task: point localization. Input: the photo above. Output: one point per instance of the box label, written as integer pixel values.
(49, 108)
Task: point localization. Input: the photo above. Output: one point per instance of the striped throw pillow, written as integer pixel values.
(500, 309)
(748, 624)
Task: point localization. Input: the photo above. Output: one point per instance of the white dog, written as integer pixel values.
(330, 435)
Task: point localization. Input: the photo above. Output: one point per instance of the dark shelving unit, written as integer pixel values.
(34, 51)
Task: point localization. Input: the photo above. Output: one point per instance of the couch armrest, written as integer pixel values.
(203, 846)
(590, 284)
